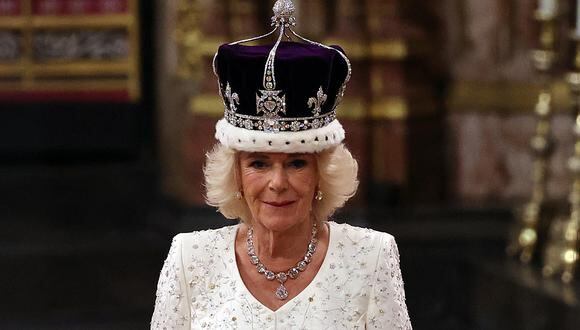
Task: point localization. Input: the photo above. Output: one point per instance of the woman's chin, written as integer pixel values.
(280, 219)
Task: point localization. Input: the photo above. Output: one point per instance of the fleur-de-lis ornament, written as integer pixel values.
(317, 102)
(233, 98)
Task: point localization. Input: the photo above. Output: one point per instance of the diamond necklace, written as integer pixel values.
(281, 293)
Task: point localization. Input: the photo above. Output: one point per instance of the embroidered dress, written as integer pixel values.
(358, 286)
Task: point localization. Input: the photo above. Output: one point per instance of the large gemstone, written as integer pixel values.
(270, 122)
(281, 277)
(293, 273)
(270, 105)
(261, 269)
(254, 260)
(270, 275)
(311, 247)
(281, 292)
(271, 125)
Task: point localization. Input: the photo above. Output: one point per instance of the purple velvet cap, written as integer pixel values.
(285, 105)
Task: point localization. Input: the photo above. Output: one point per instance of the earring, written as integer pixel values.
(319, 195)
(238, 195)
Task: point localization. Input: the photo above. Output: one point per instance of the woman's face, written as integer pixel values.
(278, 188)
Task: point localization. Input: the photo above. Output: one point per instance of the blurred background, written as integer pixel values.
(107, 108)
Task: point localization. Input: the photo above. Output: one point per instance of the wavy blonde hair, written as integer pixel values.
(337, 173)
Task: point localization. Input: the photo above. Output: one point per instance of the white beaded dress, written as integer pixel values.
(358, 286)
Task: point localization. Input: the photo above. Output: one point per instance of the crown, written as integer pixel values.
(281, 97)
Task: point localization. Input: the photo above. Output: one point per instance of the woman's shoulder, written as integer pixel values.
(201, 237)
(356, 239)
(358, 244)
(355, 232)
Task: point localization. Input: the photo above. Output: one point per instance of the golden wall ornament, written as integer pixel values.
(525, 238)
(72, 53)
(188, 37)
(561, 254)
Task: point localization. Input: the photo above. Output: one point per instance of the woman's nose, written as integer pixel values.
(279, 179)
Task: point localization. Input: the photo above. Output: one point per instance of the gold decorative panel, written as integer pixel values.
(69, 50)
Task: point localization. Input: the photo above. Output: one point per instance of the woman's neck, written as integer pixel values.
(279, 250)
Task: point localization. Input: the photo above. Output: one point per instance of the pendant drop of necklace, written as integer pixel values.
(282, 293)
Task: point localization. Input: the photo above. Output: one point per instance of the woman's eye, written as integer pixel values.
(298, 163)
(258, 164)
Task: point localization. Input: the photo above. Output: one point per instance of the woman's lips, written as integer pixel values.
(280, 204)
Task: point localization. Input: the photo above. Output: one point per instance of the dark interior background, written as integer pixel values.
(86, 226)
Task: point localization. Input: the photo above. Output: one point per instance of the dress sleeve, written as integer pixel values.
(387, 308)
(171, 303)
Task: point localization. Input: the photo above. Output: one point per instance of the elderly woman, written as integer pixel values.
(280, 168)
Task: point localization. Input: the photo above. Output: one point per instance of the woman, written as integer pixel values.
(280, 168)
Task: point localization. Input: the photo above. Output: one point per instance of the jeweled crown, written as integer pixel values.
(281, 97)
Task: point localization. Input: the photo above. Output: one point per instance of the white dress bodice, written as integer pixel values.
(358, 286)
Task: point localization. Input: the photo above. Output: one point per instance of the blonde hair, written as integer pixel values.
(337, 171)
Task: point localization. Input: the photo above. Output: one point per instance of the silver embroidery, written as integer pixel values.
(200, 286)
(232, 98)
(317, 102)
(269, 79)
(339, 96)
(277, 123)
(270, 103)
(284, 21)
